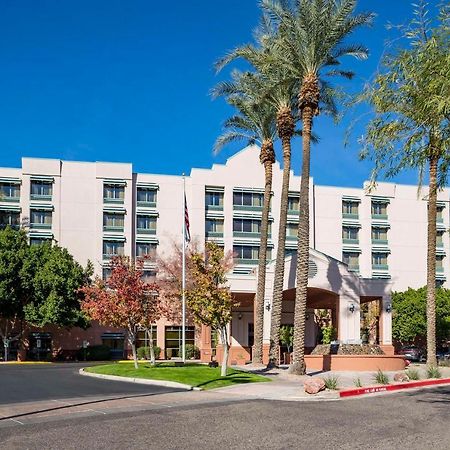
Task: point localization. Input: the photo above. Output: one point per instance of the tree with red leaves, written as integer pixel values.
(125, 300)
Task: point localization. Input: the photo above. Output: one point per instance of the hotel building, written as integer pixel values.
(363, 244)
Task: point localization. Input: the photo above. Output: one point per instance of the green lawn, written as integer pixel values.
(196, 375)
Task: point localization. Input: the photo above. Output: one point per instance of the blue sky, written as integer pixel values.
(129, 81)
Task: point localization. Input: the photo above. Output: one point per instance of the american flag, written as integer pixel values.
(187, 233)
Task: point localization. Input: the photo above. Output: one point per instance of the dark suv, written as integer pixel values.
(411, 353)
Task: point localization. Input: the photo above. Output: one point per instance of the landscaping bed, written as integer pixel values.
(347, 349)
(196, 375)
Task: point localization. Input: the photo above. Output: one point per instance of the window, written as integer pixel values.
(440, 213)
(291, 230)
(11, 218)
(247, 226)
(440, 238)
(145, 249)
(293, 203)
(40, 240)
(142, 338)
(41, 190)
(173, 339)
(439, 263)
(9, 192)
(115, 342)
(379, 235)
(351, 259)
(113, 221)
(146, 196)
(248, 199)
(148, 276)
(113, 248)
(350, 234)
(249, 253)
(214, 200)
(40, 218)
(214, 226)
(350, 209)
(379, 260)
(113, 193)
(106, 273)
(146, 224)
(379, 209)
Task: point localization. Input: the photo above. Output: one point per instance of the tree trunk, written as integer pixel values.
(226, 349)
(132, 341)
(277, 299)
(431, 264)
(150, 343)
(267, 157)
(298, 367)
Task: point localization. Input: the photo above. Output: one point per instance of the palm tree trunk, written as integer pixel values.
(431, 264)
(277, 299)
(267, 158)
(299, 367)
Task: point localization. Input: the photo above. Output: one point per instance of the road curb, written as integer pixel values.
(392, 387)
(172, 384)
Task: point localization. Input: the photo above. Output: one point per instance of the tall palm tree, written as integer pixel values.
(277, 87)
(411, 127)
(253, 123)
(313, 34)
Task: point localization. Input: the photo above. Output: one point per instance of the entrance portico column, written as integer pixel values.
(349, 318)
(385, 326)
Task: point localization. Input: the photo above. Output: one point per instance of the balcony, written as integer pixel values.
(439, 245)
(214, 207)
(116, 201)
(350, 216)
(439, 270)
(248, 234)
(383, 267)
(214, 234)
(9, 199)
(146, 231)
(114, 229)
(379, 241)
(293, 212)
(142, 204)
(353, 268)
(291, 238)
(350, 241)
(41, 197)
(439, 220)
(380, 216)
(41, 226)
(247, 208)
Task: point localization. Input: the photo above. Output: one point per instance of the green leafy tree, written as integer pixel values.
(209, 298)
(253, 123)
(409, 319)
(411, 126)
(287, 336)
(313, 41)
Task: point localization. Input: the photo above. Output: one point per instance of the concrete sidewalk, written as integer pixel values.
(287, 387)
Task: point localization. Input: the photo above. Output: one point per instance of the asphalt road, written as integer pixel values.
(28, 383)
(413, 420)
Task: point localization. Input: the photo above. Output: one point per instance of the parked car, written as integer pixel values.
(411, 353)
(443, 354)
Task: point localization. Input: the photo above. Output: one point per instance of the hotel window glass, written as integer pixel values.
(440, 213)
(9, 192)
(41, 190)
(351, 259)
(173, 339)
(379, 234)
(291, 230)
(146, 196)
(146, 224)
(40, 240)
(249, 252)
(113, 248)
(379, 259)
(106, 273)
(145, 249)
(440, 238)
(113, 193)
(293, 203)
(214, 199)
(349, 208)
(214, 226)
(113, 221)
(40, 218)
(9, 218)
(251, 199)
(379, 208)
(439, 263)
(350, 233)
(148, 276)
(247, 225)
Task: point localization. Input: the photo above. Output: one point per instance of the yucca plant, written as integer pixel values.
(331, 382)
(413, 374)
(357, 382)
(433, 372)
(381, 378)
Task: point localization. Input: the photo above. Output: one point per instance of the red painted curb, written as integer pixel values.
(391, 387)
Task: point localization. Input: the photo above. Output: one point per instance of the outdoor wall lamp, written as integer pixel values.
(268, 306)
(388, 308)
(351, 308)
(240, 316)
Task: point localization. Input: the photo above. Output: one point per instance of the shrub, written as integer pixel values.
(331, 382)
(357, 382)
(433, 372)
(144, 352)
(328, 334)
(413, 374)
(444, 363)
(94, 353)
(192, 352)
(381, 378)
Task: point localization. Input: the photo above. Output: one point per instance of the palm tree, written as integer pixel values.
(312, 39)
(277, 87)
(411, 128)
(254, 123)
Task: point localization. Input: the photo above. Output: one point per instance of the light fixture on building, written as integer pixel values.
(351, 308)
(388, 308)
(240, 316)
(268, 306)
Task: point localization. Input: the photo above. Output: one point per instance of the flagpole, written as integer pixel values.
(183, 277)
